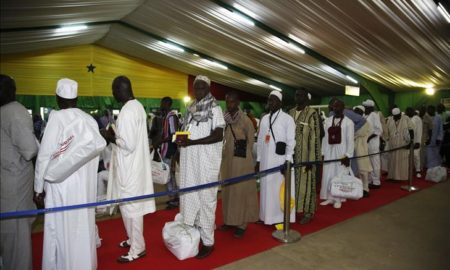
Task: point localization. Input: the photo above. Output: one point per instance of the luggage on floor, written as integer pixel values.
(181, 239)
(346, 185)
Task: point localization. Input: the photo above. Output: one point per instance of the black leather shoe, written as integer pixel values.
(225, 227)
(372, 186)
(306, 219)
(365, 194)
(239, 232)
(204, 252)
(124, 244)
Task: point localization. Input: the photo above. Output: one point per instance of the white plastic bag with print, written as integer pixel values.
(181, 239)
(346, 185)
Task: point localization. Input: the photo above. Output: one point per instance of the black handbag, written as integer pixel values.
(280, 147)
(334, 133)
(240, 146)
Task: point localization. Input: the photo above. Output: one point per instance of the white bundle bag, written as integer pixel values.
(160, 170)
(78, 144)
(181, 239)
(436, 174)
(346, 185)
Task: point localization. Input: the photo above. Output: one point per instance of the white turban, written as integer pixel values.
(203, 78)
(395, 111)
(369, 103)
(277, 94)
(309, 96)
(67, 88)
(417, 112)
(360, 107)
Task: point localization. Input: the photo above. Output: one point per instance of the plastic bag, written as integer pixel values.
(346, 185)
(181, 239)
(78, 144)
(160, 171)
(436, 174)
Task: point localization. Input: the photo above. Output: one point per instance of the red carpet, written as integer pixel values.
(227, 249)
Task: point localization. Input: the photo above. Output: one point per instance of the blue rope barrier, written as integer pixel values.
(33, 212)
(136, 198)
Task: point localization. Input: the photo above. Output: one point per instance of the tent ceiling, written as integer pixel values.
(399, 44)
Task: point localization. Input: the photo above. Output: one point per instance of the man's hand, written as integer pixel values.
(345, 161)
(428, 142)
(308, 167)
(416, 145)
(257, 167)
(109, 135)
(185, 143)
(39, 200)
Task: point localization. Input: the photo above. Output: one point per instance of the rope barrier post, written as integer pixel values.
(287, 235)
(410, 186)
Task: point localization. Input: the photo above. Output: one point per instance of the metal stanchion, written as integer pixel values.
(286, 235)
(410, 186)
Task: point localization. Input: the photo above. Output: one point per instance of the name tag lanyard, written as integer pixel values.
(267, 138)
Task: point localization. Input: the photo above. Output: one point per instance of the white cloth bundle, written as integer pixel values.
(346, 185)
(160, 170)
(78, 144)
(181, 239)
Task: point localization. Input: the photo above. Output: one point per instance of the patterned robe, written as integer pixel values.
(307, 148)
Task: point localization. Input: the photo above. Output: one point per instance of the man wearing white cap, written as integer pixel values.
(66, 169)
(400, 131)
(200, 159)
(374, 142)
(362, 149)
(417, 122)
(275, 146)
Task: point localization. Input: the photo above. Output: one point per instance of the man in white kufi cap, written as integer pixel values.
(400, 132)
(66, 169)
(373, 118)
(275, 146)
(200, 159)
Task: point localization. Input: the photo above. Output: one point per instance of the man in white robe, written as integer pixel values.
(417, 123)
(275, 127)
(18, 146)
(400, 130)
(200, 159)
(362, 149)
(374, 143)
(342, 149)
(130, 169)
(69, 236)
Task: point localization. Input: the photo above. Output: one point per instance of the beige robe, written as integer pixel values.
(399, 136)
(362, 148)
(239, 200)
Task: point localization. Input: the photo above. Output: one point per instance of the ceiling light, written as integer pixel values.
(172, 46)
(429, 91)
(351, 79)
(282, 43)
(241, 18)
(301, 41)
(71, 28)
(275, 88)
(295, 47)
(212, 63)
(194, 54)
(186, 99)
(351, 90)
(444, 12)
(244, 10)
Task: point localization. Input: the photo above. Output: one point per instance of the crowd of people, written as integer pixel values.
(215, 145)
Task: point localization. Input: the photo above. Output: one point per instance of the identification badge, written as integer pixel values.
(267, 138)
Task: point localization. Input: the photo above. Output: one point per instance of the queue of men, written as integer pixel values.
(219, 146)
